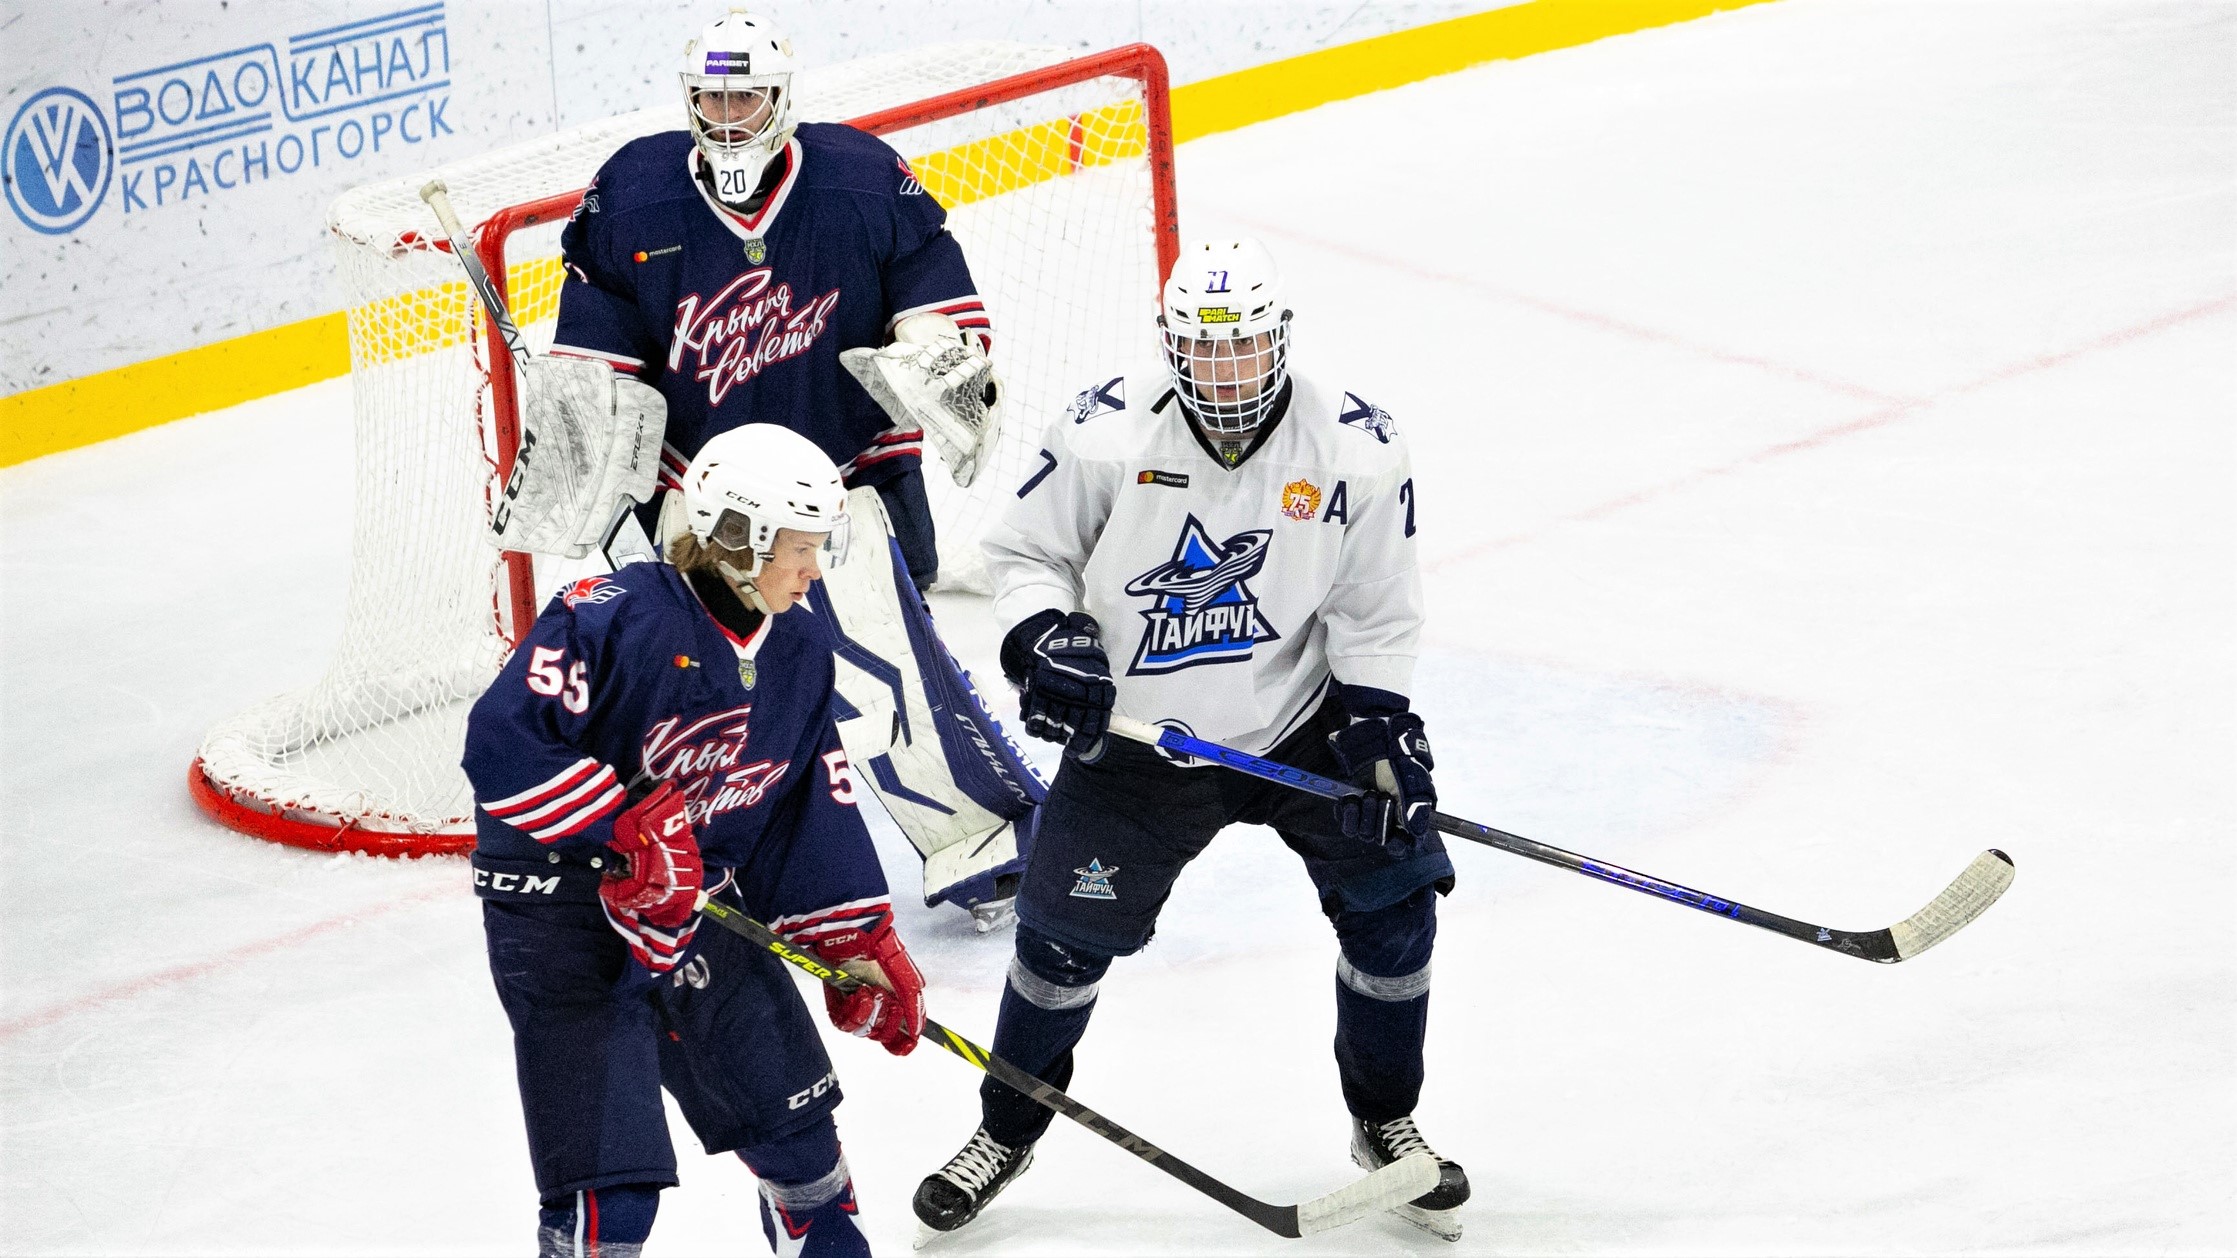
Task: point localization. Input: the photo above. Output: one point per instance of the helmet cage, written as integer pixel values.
(722, 136)
(1205, 359)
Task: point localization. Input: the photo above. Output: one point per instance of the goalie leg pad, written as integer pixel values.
(913, 721)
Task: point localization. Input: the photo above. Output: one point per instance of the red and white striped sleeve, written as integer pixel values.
(968, 312)
(564, 804)
(622, 363)
(836, 923)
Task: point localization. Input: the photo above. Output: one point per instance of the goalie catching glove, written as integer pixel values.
(589, 447)
(935, 377)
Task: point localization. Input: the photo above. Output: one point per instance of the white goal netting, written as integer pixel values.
(1056, 199)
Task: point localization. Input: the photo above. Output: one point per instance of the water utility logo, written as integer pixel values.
(225, 120)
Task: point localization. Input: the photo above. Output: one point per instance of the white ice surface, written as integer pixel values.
(1826, 472)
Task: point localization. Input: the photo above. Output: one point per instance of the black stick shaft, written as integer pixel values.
(1281, 1220)
(1965, 899)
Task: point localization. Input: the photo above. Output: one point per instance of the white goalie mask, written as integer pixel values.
(749, 482)
(1226, 333)
(737, 78)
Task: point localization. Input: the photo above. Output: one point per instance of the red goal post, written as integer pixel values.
(1057, 173)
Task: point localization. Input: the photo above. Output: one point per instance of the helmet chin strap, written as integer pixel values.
(741, 583)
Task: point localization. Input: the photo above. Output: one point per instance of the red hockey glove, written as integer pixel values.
(889, 1008)
(660, 871)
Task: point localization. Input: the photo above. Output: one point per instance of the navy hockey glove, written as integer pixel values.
(1063, 678)
(1389, 755)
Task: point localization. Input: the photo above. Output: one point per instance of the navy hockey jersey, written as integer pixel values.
(739, 319)
(626, 679)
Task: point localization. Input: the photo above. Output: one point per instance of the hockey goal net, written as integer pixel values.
(1056, 173)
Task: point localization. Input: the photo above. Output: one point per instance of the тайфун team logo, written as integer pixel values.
(1202, 613)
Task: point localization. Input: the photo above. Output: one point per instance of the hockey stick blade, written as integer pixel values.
(1392, 1185)
(1962, 901)
(1386, 1189)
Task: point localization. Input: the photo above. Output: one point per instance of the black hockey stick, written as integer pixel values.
(624, 540)
(1960, 902)
(1391, 1186)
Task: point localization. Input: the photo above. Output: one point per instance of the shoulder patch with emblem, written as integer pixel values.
(1368, 417)
(1100, 400)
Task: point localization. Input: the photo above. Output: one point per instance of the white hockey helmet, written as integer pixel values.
(739, 53)
(1226, 331)
(751, 481)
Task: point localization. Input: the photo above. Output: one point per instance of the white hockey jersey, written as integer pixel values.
(1228, 596)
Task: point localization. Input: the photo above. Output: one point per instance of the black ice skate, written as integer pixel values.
(953, 1195)
(1376, 1145)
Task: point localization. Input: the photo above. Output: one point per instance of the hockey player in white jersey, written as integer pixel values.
(1224, 546)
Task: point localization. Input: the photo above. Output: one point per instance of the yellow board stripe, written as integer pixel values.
(1408, 56)
(206, 378)
(211, 377)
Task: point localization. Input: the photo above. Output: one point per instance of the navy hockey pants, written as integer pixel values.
(1114, 835)
(596, 1037)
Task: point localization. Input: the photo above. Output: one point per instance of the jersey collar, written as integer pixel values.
(1172, 397)
(747, 647)
(755, 225)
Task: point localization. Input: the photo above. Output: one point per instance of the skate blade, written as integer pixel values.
(1442, 1224)
(926, 1234)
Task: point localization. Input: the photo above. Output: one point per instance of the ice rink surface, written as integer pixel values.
(1826, 469)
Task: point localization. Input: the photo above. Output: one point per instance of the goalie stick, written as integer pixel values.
(624, 540)
(1393, 1185)
(1960, 902)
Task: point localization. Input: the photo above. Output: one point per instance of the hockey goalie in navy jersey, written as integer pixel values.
(1223, 545)
(753, 268)
(663, 733)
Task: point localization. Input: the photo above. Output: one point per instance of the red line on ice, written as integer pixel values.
(211, 965)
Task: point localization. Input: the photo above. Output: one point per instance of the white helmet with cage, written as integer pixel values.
(1226, 332)
(751, 481)
(737, 78)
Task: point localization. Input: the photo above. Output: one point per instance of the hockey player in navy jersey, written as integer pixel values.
(1226, 546)
(665, 733)
(753, 268)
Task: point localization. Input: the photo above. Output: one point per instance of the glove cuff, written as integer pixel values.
(1363, 702)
